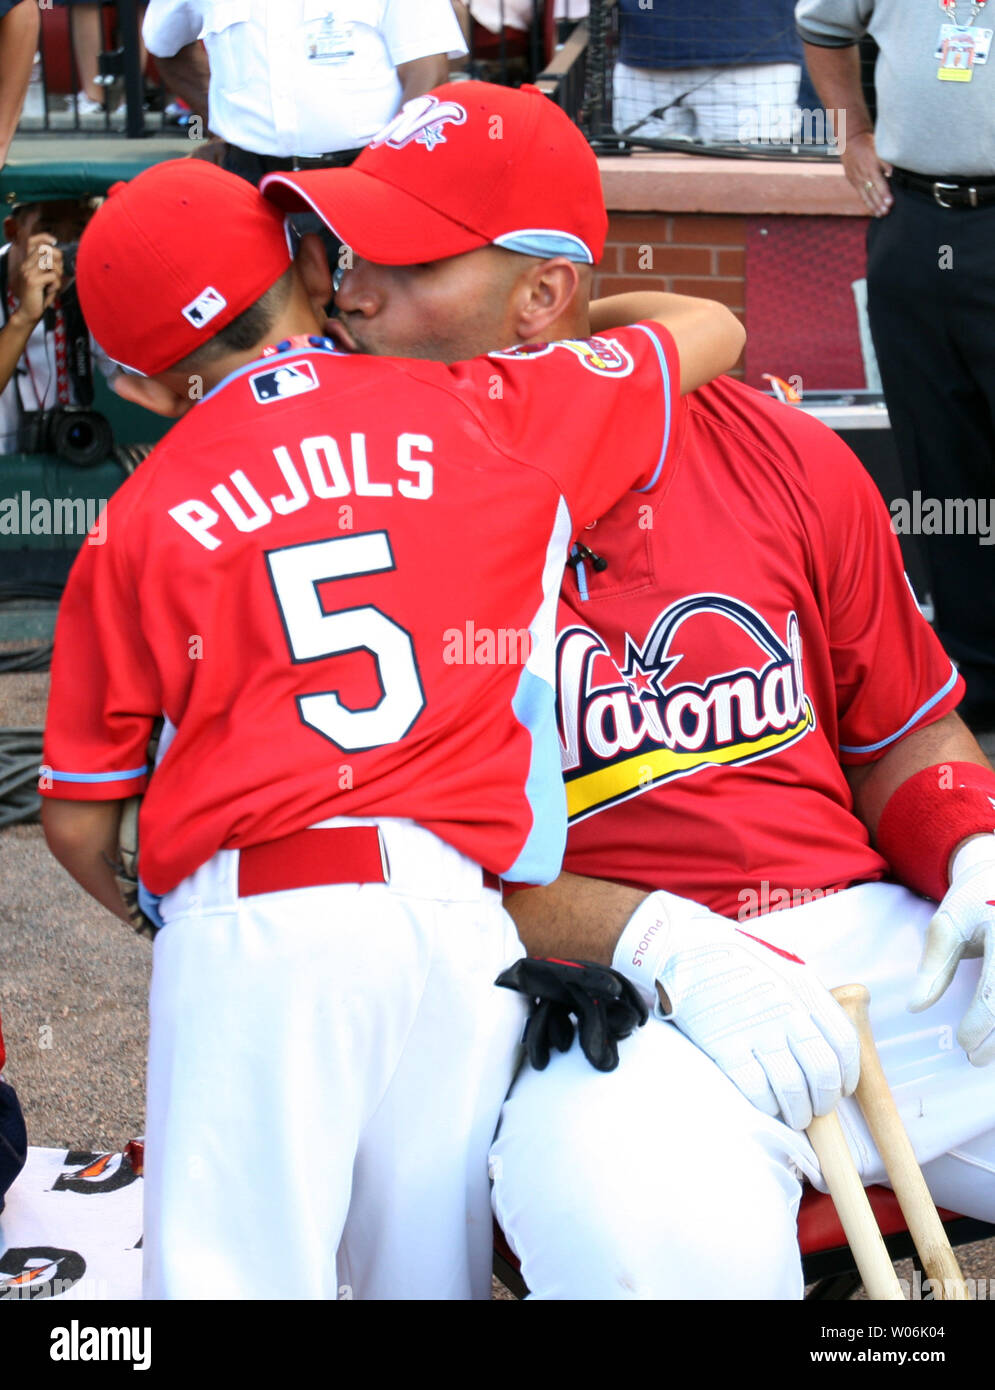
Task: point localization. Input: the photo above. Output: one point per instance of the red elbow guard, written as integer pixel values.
(927, 817)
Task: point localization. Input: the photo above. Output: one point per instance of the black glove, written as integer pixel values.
(607, 1007)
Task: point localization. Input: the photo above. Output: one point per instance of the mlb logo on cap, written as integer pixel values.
(205, 307)
(288, 379)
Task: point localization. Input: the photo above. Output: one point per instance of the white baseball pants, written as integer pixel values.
(661, 1181)
(326, 1068)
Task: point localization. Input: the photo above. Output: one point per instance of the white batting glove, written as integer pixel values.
(759, 1012)
(963, 928)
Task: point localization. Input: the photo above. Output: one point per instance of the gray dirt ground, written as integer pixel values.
(73, 988)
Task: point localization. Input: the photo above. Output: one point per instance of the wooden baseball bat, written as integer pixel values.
(883, 1120)
(853, 1209)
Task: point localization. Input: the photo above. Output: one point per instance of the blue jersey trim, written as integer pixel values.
(923, 709)
(149, 903)
(541, 857)
(93, 776)
(667, 405)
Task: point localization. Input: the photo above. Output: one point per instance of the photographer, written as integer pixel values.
(46, 354)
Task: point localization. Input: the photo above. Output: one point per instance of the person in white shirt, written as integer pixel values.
(302, 83)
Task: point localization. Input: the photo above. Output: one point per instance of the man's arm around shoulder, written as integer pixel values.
(708, 336)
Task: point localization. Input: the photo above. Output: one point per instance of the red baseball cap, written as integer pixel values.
(172, 257)
(468, 165)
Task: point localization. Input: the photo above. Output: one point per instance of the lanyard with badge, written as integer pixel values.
(328, 40)
(962, 47)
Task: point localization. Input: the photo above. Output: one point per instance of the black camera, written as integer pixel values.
(69, 250)
(77, 435)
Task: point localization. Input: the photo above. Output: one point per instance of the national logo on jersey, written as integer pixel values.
(288, 379)
(625, 730)
(604, 356)
(423, 120)
(206, 306)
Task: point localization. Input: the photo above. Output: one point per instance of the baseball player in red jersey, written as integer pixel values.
(310, 580)
(752, 715)
(762, 721)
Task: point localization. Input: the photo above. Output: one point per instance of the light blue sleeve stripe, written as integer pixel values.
(667, 405)
(93, 776)
(923, 709)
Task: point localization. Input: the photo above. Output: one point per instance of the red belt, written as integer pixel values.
(309, 858)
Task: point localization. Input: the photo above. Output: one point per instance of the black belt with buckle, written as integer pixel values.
(249, 165)
(338, 159)
(948, 193)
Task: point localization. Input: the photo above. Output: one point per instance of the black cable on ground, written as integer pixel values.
(27, 659)
(12, 589)
(38, 657)
(20, 756)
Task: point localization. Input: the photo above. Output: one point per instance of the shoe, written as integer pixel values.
(177, 113)
(86, 107)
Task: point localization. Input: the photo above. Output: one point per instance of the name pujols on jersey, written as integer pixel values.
(316, 469)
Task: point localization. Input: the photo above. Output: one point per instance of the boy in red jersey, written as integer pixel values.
(336, 578)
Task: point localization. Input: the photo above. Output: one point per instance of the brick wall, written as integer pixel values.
(716, 208)
(686, 253)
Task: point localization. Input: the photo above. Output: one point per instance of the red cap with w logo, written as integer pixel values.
(468, 165)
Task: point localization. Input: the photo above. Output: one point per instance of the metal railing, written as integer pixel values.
(134, 107)
(137, 106)
(565, 77)
(574, 62)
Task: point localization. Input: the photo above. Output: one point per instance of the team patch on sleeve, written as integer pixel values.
(603, 356)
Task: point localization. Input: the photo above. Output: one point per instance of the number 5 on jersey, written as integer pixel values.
(313, 635)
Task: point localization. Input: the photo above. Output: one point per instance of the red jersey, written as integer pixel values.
(337, 580)
(753, 631)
